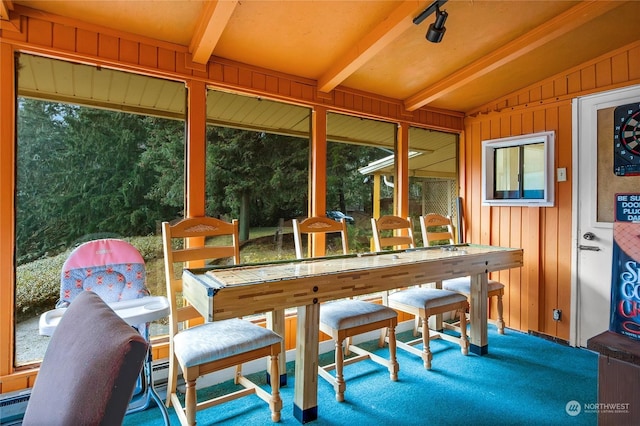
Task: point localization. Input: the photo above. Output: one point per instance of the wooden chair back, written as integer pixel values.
(193, 253)
(319, 225)
(392, 231)
(431, 226)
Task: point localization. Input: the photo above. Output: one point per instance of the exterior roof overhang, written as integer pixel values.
(490, 49)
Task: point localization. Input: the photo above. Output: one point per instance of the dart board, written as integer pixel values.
(626, 140)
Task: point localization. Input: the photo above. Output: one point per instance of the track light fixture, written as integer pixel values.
(437, 29)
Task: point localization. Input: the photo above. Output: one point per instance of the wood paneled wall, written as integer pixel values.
(544, 233)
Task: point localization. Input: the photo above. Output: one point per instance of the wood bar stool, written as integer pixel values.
(438, 228)
(346, 318)
(422, 302)
(212, 346)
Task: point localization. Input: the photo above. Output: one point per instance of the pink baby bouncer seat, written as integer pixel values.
(115, 271)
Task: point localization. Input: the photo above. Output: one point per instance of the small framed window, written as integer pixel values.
(518, 171)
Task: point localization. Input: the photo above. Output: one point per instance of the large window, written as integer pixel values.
(353, 143)
(257, 170)
(85, 173)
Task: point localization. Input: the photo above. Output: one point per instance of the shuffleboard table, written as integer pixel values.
(241, 290)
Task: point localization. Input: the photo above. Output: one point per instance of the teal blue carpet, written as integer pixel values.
(524, 380)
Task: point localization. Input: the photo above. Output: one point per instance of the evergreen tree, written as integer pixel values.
(86, 173)
(40, 153)
(271, 170)
(345, 185)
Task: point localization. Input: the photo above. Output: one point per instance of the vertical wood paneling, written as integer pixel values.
(523, 98)
(634, 63)
(560, 86)
(129, 51)
(535, 94)
(245, 77)
(271, 84)
(64, 37)
(87, 42)
(549, 290)
(181, 63)
(108, 46)
(487, 132)
(588, 78)
(366, 105)
(573, 82)
(547, 90)
(259, 81)
(504, 240)
(148, 56)
(620, 68)
(166, 60)
(532, 265)
(603, 73)
(230, 75)
(564, 204)
(544, 283)
(40, 32)
(513, 285)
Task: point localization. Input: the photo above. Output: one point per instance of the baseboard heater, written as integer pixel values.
(549, 337)
(13, 406)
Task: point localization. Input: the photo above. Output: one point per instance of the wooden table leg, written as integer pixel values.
(275, 322)
(478, 315)
(305, 395)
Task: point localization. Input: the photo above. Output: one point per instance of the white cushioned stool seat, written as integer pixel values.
(495, 289)
(343, 319)
(352, 313)
(421, 302)
(220, 339)
(426, 298)
(463, 285)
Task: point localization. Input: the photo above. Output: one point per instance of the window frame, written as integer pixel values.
(489, 147)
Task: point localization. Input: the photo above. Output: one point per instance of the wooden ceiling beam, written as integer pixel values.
(214, 19)
(369, 45)
(545, 33)
(5, 7)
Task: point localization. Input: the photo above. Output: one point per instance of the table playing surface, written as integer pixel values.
(297, 269)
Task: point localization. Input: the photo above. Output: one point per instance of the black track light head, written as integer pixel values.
(437, 29)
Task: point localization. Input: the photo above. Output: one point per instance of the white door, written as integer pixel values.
(595, 185)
